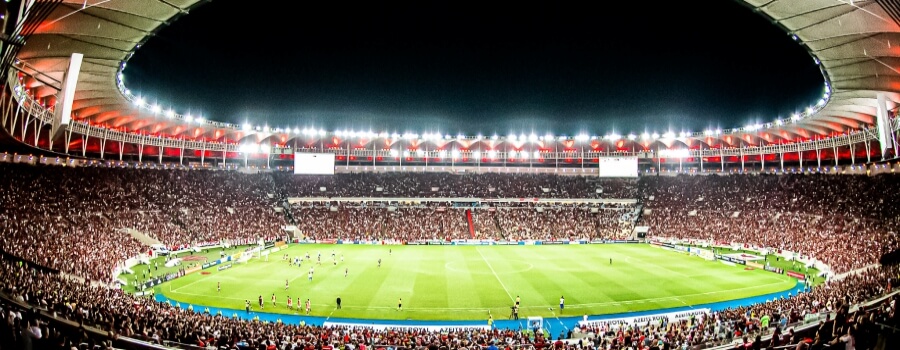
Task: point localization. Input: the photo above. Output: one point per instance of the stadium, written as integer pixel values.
(129, 225)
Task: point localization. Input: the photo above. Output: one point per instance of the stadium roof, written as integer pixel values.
(857, 44)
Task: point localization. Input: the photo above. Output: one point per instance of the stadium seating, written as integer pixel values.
(71, 220)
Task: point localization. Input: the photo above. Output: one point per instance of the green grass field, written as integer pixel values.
(465, 282)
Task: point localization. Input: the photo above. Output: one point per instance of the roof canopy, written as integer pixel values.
(857, 44)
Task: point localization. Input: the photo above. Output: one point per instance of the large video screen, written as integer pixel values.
(619, 167)
(314, 163)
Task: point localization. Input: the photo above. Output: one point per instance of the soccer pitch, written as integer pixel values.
(467, 282)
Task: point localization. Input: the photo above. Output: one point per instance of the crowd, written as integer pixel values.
(781, 212)
(429, 185)
(444, 221)
(72, 220)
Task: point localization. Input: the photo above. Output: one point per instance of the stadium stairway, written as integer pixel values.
(499, 227)
(470, 223)
(141, 237)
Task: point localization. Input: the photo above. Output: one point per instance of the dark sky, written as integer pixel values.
(559, 67)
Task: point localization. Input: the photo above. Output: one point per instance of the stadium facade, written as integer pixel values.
(61, 102)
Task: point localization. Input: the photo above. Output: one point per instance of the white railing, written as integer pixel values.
(36, 111)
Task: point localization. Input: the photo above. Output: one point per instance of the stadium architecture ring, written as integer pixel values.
(850, 41)
(66, 98)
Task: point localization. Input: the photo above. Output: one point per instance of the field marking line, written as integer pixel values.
(192, 283)
(495, 275)
(574, 306)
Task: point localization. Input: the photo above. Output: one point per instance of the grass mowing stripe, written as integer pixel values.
(495, 275)
(467, 282)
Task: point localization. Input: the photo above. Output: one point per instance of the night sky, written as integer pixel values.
(450, 67)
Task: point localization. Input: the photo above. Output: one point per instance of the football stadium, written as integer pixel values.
(130, 223)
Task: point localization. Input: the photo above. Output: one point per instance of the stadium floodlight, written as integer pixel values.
(395, 136)
(511, 137)
(370, 134)
(189, 119)
(718, 131)
(406, 153)
(265, 149)
(495, 137)
(492, 154)
(199, 120)
(655, 136)
(156, 109)
(383, 135)
(615, 136)
(523, 154)
(246, 127)
(669, 135)
(537, 154)
(632, 137)
(809, 110)
(454, 153)
(779, 122)
(522, 137)
(645, 136)
(478, 137)
(460, 137)
(707, 132)
(476, 154)
(321, 132)
(532, 138)
(821, 102)
(420, 152)
(447, 137)
(795, 117)
(170, 114)
(548, 137)
(394, 153)
(582, 137)
(442, 154)
(139, 101)
(296, 131)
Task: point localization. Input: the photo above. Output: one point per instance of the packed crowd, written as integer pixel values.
(569, 222)
(429, 185)
(72, 221)
(828, 195)
(86, 245)
(780, 212)
(444, 221)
